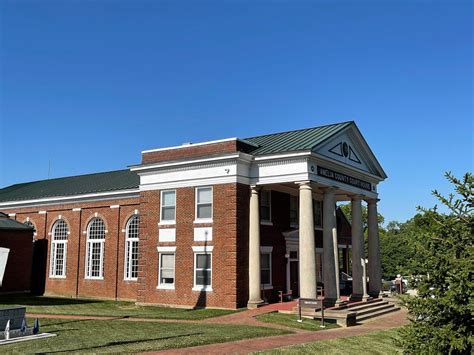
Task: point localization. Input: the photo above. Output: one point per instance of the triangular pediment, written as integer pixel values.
(349, 147)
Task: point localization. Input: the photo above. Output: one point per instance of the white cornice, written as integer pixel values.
(110, 195)
(190, 145)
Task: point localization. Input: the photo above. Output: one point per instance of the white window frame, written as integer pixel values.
(166, 251)
(292, 224)
(200, 250)
(266, 221)
(90, 242)
(128, 247)
(267, 251)
(167, 221)
(320, 227)
(203, 220)
(54, 246)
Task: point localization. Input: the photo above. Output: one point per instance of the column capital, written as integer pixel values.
(329, 190)
(303, 183)
(254, 188)
(356, 197)
(371, 201)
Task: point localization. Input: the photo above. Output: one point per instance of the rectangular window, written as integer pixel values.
(168, 206)
(166, 270)
(204, 203)
(317, 214)
(266, 269)
(95, 257)
(265, 206)
(131, 255)
(58, 259)
(202, 270)
(294, 211)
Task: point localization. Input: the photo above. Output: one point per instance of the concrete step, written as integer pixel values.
(379, 313)
(357, 308)
(374, 309)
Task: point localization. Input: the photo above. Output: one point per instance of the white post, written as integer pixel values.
(358, 265)
(375, 271)
(330, 250)
(307, 258)
(254, 250)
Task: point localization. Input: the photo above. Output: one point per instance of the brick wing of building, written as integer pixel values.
(226, 223)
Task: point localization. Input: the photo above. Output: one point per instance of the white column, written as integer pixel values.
(374, 266)
(330, 250)
(288, 271)
(307, 257)
(359, 281)
(254, 250)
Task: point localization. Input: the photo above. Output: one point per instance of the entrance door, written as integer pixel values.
(294, 278)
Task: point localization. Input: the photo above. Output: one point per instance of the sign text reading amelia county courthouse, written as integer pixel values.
(346, 179)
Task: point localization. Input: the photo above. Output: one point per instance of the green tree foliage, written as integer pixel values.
(346, 208)
(441, 317)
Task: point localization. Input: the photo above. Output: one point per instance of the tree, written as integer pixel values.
(348, 213)
(441, 317)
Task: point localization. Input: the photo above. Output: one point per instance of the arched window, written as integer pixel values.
(131, 248)
(95, 249)
(59, 236)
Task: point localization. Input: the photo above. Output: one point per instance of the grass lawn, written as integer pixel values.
(86, 307)
(93, 336)
(383, 342)
(289, 320)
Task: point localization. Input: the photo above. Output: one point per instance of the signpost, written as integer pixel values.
(311, 303)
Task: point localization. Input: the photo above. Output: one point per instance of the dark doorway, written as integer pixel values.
(38, 272)
(294, 278)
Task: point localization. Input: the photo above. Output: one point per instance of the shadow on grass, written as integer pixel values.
(26, 300)
(125, 342)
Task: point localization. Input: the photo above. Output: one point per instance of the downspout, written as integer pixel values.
(117, 256)
(79, 253)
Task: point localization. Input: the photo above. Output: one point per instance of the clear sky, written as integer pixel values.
(87, 85)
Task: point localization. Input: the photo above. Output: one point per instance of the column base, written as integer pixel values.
(333, 302)
(359, 298)
(255, 304)
(378, 294)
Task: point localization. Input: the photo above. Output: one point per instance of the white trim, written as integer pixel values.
(265, 249)
(203, 221)
(203, 248)
(165, 286)
(166, 249)
(268, 250)
(190, 145)
(128, 258)
(167, 235)
(115, 206)
(207, 219)
(39, 212)
(88, 258)
(76, 209)
(70, 199)
(203, 234)
(282, 155)
(167, 221)
(11, 214)
(207, 288)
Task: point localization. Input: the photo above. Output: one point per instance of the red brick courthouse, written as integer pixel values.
(226, 223)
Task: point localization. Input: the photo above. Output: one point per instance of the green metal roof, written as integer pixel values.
(8, 223)
(72, 185)
(299, 140)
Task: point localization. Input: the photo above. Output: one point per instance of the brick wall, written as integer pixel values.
(18, 269)
(74, 284)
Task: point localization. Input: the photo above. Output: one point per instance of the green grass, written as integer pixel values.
(289, 320)
(119, 336)
(88, 307)
(384, 342)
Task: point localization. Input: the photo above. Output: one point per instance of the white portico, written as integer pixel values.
(335, 166)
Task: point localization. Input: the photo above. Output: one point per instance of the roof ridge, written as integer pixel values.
(65, 177)
(301, 129)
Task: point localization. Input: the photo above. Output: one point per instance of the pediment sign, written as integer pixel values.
(345, 149)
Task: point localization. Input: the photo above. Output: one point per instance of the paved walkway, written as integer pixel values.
(246, 346)
(247, 317)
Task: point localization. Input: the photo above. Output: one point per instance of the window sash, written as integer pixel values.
(265, 206)
(58, 259)
(165, 273)
(317, 214)
(168, 208)
(294, 216)
(266, 271)
(95, 259)
(204, 202)
(131, 259)
(203, 274)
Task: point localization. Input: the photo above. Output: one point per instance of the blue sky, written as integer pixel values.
(87, 85)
